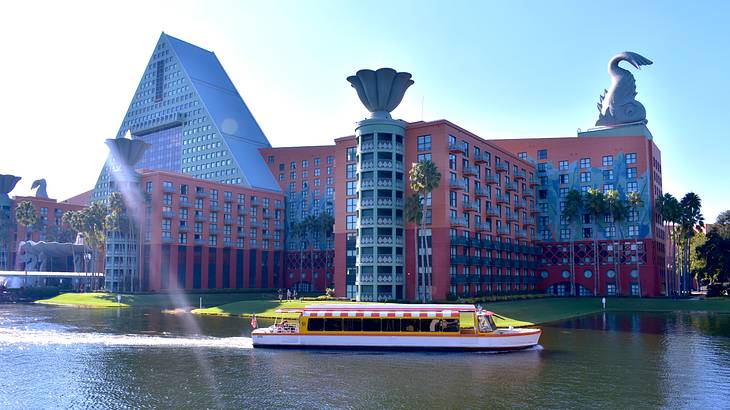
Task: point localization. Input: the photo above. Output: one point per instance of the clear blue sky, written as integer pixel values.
(500, 69)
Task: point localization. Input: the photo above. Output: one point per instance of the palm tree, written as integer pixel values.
(413, 213)
(117, 222)
(667, 207)
(26, 217)
(595, 204)
(424, 178)
(691, 220)
(6, 229)
(635, 203)
(616, 207)
(571, 213)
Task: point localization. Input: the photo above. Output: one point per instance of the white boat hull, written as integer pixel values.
(501, 340)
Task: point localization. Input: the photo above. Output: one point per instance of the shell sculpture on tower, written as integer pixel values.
(127, 151)
(380, 91)
(617, 105)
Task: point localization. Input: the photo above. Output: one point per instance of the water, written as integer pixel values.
(131, 358)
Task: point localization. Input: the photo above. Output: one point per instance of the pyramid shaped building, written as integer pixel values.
(194, 119)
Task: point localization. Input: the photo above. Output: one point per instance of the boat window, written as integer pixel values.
(333, 325)
(391, 325)
(450, 325)
(315, 325)
(484, 324)
(409, 325)
(371, 325)
(352, 325)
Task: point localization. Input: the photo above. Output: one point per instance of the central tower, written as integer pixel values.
(380, 186)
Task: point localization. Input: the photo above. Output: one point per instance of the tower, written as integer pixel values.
(381, 186)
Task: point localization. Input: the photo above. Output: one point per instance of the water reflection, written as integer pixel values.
(143, 358)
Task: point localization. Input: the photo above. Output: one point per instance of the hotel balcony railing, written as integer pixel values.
(494, 212)
(385, 182)
(200, 217)
(513, 218)
(399, 147)
(522, 234)
(457, 147)
(492, 179)
(520, 175)
(385, 146)
(504, 199)
(528, 220)
(168, 214)
(201, 194)
(521, 204)
(184, 202)
(213, 206)
(255, 202)
(367, 221)
(484, 227)
(266, 215)
(200, 242)
(279, 205)
(487, 244)
(399, 202)
(366, 258)
(389, 240)
(535, 210)
(456, 184)
(460, 241)
(242, 211)
(367, 183)
(481, 158)
(534, 182)
(529, 193)
(470, 170)
(502, 167)
(481, 192)
(365, 279)
(254, 224)
(170, 189)
(503, 231)
(510, 186)
(367, 203)
(370, 164)
(384, 202)
(240, 234)
(458, 221)
(212, 229)
(182, 228)
(471, 206)
(366, 147)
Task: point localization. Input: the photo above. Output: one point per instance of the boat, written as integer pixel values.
(392, 326)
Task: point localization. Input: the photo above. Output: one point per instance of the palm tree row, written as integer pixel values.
(681, 220)
(424, 178)
(598, 204)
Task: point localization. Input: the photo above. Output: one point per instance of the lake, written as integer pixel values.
(54, 357)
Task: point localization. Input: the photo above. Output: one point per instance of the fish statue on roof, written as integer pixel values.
(617, 105)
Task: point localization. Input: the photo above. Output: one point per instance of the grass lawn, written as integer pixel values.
(551, 309)
(267, 309)
(161, 300)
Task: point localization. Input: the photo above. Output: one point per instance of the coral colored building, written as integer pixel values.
(630, 252)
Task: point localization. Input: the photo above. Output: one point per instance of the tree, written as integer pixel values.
(722, 224)
(325, 224)
(616, 208)
(691, 220)
(571, 214)
(715, 253)
(424, 178)
(413, 214)
(635, 203)
(6, 230)
(26, 217)
(595, 204)
(667, 207)
(118, 223)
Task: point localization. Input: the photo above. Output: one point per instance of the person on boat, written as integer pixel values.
(288, 294)
(432, 326)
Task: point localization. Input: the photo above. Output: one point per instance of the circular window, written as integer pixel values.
(611, 274)
(566, 274)
(635, 274)
(544, 274)
(587, 274)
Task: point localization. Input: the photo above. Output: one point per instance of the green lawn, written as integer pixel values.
(267, 309)
(161, 300)
(551, 309)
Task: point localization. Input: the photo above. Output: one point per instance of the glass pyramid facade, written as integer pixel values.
(190, 112)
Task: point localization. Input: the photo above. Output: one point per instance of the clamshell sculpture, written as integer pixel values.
(380, 91)
(127, 151)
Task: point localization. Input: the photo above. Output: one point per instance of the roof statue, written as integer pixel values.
(617, 105)
(7, 184)
(127, 151)
(380, 91)
(40, 184)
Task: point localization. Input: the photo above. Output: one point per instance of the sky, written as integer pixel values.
(499, 69)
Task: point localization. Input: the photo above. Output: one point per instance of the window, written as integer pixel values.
(607, 187)
(563, 192)
(522, 155)
(631, 158)
(608, 174)
(631, 173)
(271, 159)
(563, 165)
(317, 171)
(293, 165)
(585, 163)
(424, 143)
(585, 177)
(607, 160)
(542, 166)
(542, 154)
(587, 233)
(330, 159)
(316, 162)
(452, 162)
(305, 163)
(632, 186)
(452, 199)
(350, 168)
(633, 230)
(424, 157)
(610, 231)
(350, 222)
(563, 178)
(350, 188)
(351, 204)
(351, 154)
(564, 234)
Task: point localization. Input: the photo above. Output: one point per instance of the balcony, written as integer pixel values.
(484, 227)
(481, 192)
(384, 220)
(170, 189)
(483, 157)
(182, 228)
(492, 179)
(528, 221)
(200, 193)
(367, 203)
(458, 221)
(528, 193)
(399, 148)
(457, 147)
(367, 165)
(184, 202)
(367, 221)
(535, 210)
(510, 187)
(521, 234)
(521, 204)
(457, 184)
(385, 146)
(279, 205)
(460, 241)
(384, 183)
(459, 259)
(503, 231)
(471, 206)
(502, 199)
(213, 229)
(493, 212)
(513, 218)
(200, 242)
(470, 170)
(168, 214)
(534, 182)
(200, 217)
(502, 167)
(520, 175)
(254, 224)
(255, 202)
(366, 147)
(213, 206)
(240, 234)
